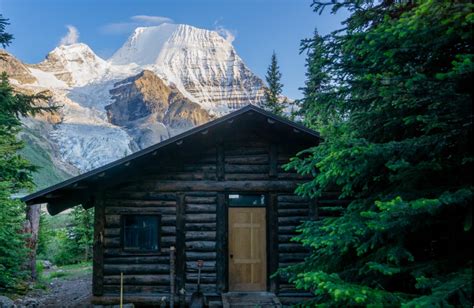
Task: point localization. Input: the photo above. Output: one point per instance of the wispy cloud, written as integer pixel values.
(228, 35)
(134, 22)
(71, 37)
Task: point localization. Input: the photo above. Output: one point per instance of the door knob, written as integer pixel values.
(231, 256)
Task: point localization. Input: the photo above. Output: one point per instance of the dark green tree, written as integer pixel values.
(271, 100)
(83, 231)
(15, 176)
(391, 94)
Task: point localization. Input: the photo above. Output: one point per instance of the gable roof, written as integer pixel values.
(42, 196)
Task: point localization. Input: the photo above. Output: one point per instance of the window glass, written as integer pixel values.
(246, 200)
(140, 233)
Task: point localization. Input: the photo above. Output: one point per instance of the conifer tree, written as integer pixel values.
(272, 93)
(392, 97)
(15, 175)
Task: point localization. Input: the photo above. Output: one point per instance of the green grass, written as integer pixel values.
(45, 277)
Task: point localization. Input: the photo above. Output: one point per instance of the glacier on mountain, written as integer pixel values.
(200, 64)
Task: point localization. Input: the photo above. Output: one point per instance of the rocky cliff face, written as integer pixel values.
(15, 69)
(151, 110)
(162, 81)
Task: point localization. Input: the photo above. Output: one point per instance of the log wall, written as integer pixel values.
(188, 190)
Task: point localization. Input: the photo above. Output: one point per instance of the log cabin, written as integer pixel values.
(217, 193)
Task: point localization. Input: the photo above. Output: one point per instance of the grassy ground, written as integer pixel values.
(46, 276)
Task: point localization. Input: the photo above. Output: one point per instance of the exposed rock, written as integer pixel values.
(15, 68)
(5, 302)
(146, 106)
(184, 114)
(138, 97)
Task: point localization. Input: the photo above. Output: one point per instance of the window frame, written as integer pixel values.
(265, 199)
(140, 252)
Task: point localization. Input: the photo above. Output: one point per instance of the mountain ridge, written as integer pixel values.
(185, 77)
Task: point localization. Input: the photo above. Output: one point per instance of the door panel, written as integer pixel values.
(247, 249)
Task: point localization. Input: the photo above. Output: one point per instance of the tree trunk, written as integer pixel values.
(33, 213)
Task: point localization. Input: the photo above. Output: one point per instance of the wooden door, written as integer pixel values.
(247, 249)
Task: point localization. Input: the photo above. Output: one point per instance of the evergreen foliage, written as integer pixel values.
(69, 242)
(272, 93)
(15, 175)
(391, 94)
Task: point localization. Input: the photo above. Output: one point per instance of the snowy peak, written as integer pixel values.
(201, 63)
(144, 45)
(75, 64)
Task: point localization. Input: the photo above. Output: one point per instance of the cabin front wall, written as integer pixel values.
(189, 190)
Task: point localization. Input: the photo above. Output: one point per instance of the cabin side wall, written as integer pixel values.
(189, 192)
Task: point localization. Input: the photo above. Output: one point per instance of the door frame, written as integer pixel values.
(267, 196)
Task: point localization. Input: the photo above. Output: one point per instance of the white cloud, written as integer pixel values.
(151, 19)
(228, 35)
(71, 37)
(135, 21)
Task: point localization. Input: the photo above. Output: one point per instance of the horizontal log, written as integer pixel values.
(284, 175)
(292, 221)
(201, 235)
(200, 199)
(206, 256)
(118, 252)
(207, 278)
(293, 212)
(112, 242)
(191, 167)
(230, 168)
(200, 218)
(238, 151)
(246, 176)
(138, 280)
(226, 186)
(259, 159)
(291, 248)
(137, 260)
(131, 269)
(141, 210)
(205, 288)
(139, 203)
(201, 245)
(200, 226)
(113, 298)
(112, 231)
(207, 267)
(290, 230)
(112, 221)
(285, 238)
(196, 176)
(200, 208)
(133, 289)
(291, 205)
(140, 195)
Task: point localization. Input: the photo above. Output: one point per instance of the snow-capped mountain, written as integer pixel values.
(162, 81)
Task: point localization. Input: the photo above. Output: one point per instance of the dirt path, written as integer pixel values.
(65, 287)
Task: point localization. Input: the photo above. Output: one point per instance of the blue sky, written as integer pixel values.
(259, 27)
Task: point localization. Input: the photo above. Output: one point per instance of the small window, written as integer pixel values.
(141, 233)
(246, 200)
